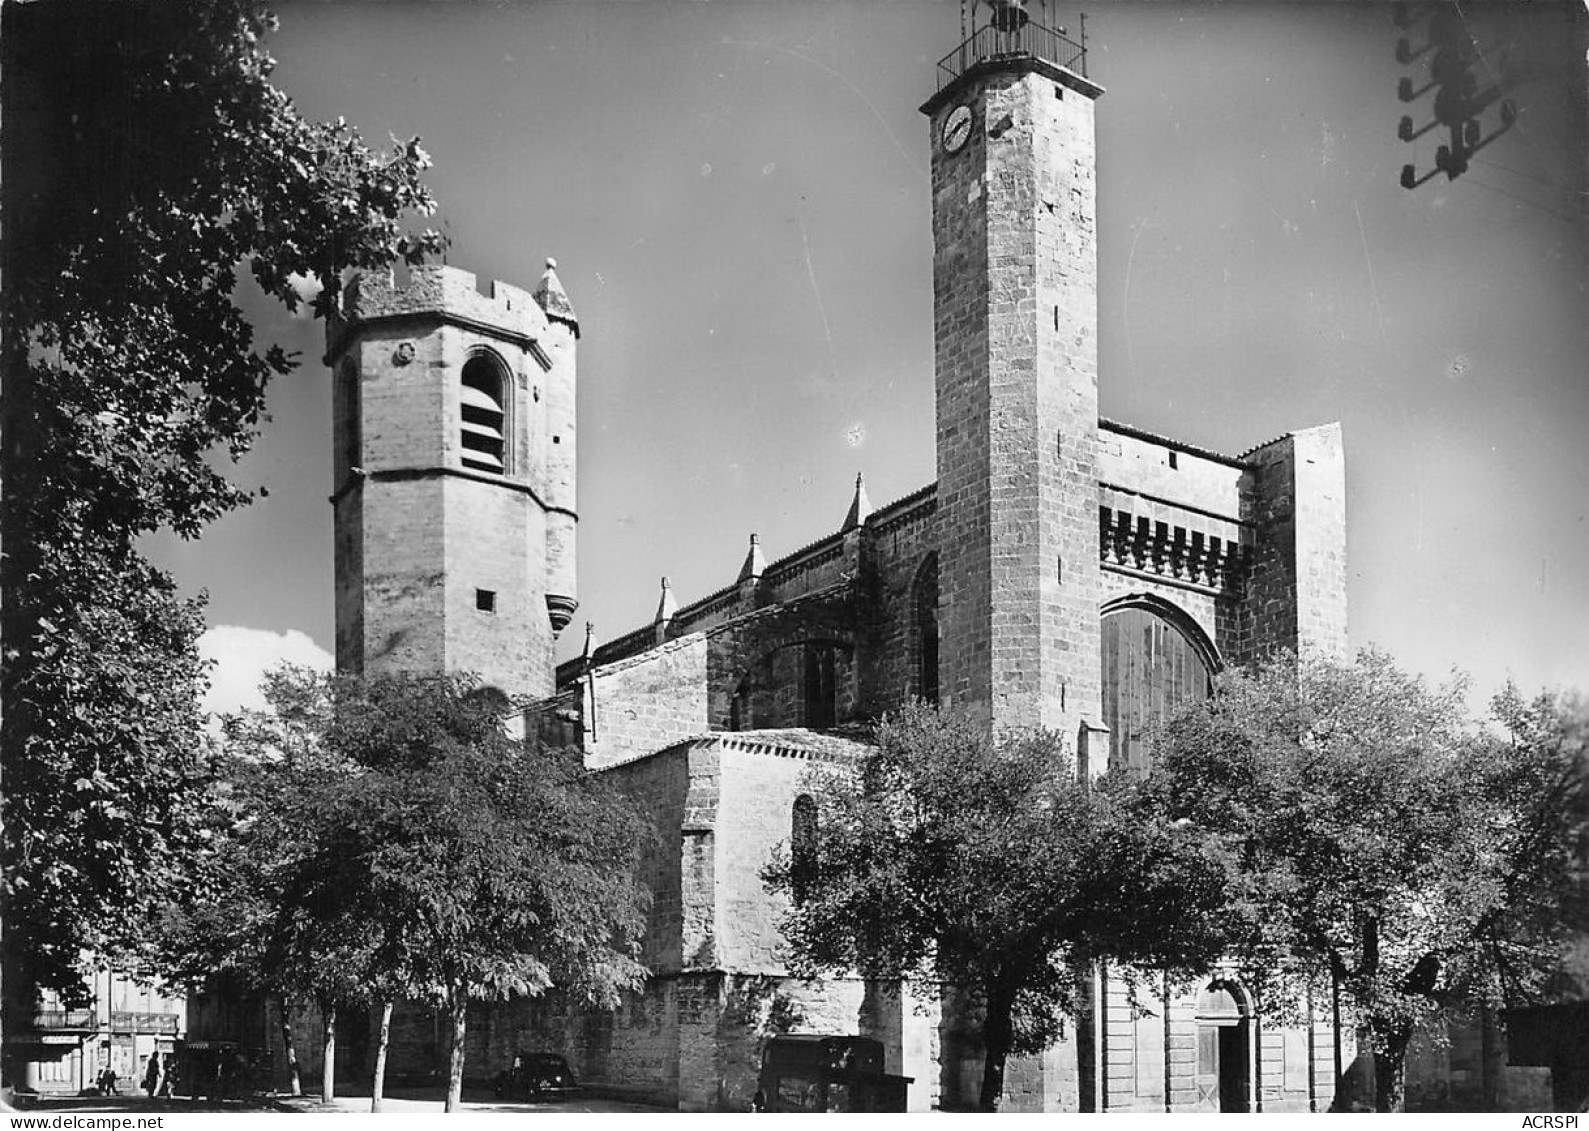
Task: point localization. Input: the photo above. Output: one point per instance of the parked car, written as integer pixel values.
(821, 1073)
(536, 1076)
(213, 1069)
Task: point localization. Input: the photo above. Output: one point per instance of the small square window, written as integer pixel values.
(1173, 462)
(485, 600)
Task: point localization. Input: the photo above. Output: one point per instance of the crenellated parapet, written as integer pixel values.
(1173, 542)
(450, 293)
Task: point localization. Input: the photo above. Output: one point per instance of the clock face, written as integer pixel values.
(956, 128)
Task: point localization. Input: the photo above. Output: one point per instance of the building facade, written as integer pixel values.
(68, 1049)
(1063, 571)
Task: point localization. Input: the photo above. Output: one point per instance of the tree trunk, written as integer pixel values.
(996, 1031)
(20, 1001)
(294, 1080)
(328, 1055)
(378, 1088)
(458, 1002)
(1390, 1072)
(992, 1079)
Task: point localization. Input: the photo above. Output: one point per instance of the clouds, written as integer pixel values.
(242, 656)
(308, 290)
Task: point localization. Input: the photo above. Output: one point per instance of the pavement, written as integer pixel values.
(409, 1100)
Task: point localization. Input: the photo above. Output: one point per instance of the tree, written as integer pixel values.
(149, 161)
(1542, 772)
(954, 859)
(1376, 836)
(419, 851)
(247, 920)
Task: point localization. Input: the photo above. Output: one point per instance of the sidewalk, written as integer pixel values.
(414, 1100)
(407, 1100)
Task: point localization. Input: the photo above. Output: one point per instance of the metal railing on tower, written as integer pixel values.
(1010, 33)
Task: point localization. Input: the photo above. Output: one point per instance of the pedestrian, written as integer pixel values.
(151, 1075)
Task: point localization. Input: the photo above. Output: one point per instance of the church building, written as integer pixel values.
(1062, 571)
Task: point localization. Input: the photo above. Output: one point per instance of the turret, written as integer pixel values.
(562, 333)
(454, 465)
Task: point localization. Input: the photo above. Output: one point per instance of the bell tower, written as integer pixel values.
(1015, 302)
(454, 476)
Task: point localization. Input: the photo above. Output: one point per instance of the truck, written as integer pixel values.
(814, 1072)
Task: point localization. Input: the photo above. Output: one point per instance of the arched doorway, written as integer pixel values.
(1224, 1048)
(1155, 658)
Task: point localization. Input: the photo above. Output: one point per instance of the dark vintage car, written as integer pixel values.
(536, 1076)
(820, 1073)
(214, 1069)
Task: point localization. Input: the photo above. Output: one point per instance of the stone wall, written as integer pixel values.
(758, 663)
(901, 547)
(496, 544)
(692, 1037)
(1151, 1058)
(1297, 593)
(1462, 1066)
(441, 566)
(640, 705)
(660, 785)
(1168, 469)
(1015, 305)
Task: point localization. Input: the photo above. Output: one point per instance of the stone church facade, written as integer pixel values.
(1063, 571)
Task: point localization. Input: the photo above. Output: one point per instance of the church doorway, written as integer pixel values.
(1155, 659)
(1224, 1049)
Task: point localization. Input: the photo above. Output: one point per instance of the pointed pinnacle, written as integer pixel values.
(554, 300)
(668, 607)
(755, 562)
(860, 506)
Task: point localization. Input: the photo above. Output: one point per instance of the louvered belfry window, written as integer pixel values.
(484, 422)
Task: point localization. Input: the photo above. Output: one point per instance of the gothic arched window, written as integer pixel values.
(483, 424)
(1155, 658)
(803, 847)
(821, 690)
(742, 706)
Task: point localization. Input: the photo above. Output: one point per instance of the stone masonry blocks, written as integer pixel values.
(1297, 596)
(443, 567)
(1015, 276)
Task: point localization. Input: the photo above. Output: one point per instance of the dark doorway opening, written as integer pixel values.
(1224, 1050)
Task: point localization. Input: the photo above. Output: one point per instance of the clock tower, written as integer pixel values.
(1015, 302)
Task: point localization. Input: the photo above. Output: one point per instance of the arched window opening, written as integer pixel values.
(742, 706)
(484, 421)
(1152, 664)
(803, 847)
(925, 615)
(821, 688)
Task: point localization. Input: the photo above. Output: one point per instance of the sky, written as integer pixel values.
(737, 198)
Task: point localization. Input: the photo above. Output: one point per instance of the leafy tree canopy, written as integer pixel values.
(148, 161)
(1376, 836)
(406, 846)
(955, 859)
